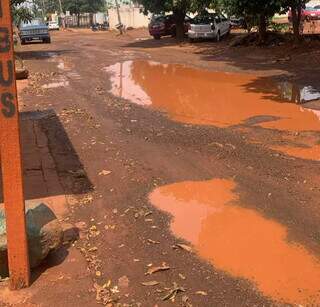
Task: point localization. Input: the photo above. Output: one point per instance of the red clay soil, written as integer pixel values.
(125, 167)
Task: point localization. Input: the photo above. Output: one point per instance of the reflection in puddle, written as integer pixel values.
(210, 98)
(294, 93)
(240, 241)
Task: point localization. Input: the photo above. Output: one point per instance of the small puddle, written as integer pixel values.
(55, 84)
(308, 153)
(240, 241)
(220, 99)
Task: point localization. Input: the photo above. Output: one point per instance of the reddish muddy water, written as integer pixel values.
(308, 153)
(220, 99)
(241, 241)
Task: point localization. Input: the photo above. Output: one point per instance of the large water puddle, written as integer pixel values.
(214, 98)
(305, 152)
(241, 241)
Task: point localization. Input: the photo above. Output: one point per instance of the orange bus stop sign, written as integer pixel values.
(10, 154)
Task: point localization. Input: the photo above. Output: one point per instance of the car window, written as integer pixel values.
(34, 22)
(313, 8)
(204, 19)
(159, 19)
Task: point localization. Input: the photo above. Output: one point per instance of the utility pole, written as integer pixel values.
(119, 18)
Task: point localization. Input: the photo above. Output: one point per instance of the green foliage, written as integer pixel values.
(46, 6)
(74, 6)
(83, 6)
(162, 6)
(279, 27)
(19, 13)
(252, 7)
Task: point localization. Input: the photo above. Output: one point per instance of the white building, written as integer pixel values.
(131, 14)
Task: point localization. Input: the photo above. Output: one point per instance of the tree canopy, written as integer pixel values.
(83, 6)
(19, 13)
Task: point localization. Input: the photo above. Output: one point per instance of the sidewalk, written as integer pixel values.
(45, 181)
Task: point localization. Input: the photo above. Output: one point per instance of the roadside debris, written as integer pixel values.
(202, 293)
(104, 173)
(171, 295)
(183, 246)
(153, 270)
(150, 283)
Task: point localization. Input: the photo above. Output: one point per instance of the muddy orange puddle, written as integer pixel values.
(308, 153)
(210, 98)
(240, 241)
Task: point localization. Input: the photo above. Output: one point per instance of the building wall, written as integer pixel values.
(130, 17)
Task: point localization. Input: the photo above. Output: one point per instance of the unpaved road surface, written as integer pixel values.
(211, 176)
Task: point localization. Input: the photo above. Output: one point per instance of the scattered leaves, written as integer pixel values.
(104, 173)
(182, 276)
(150, 283)
(98, 273)
(173, 292)
(153, 270)
(184, 247)
(202, 293)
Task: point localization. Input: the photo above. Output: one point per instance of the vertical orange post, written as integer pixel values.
(10, 154)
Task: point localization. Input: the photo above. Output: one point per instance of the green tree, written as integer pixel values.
(46, 6)
(19, 13)
(83, 6)
(260, 9)
(296, 7)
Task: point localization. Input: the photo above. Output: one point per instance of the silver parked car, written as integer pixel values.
(209, 26)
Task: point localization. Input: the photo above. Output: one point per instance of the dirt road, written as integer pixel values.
(193, 185)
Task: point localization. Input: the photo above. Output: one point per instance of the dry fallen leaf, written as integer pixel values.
(185, 301)
(201, 293)
(98, 273)
(182, 276)
(104, 173)
(92, 249)
(150, 283)
(173, 292)
(184, 247)
(153, 270)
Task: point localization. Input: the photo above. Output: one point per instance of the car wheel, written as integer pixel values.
(23, 42)
(48, 40)
(218, 37)
(191, 40)
(157, 36)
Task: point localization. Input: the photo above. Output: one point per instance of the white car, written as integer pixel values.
(53, 25)
(209, 26)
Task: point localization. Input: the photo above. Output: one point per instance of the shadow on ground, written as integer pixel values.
(51, 166)
(41, 54)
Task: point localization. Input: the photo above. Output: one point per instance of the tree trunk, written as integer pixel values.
(262, 28)
(179, 17)
(91, 19)
(78, 20)
(296, 21)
